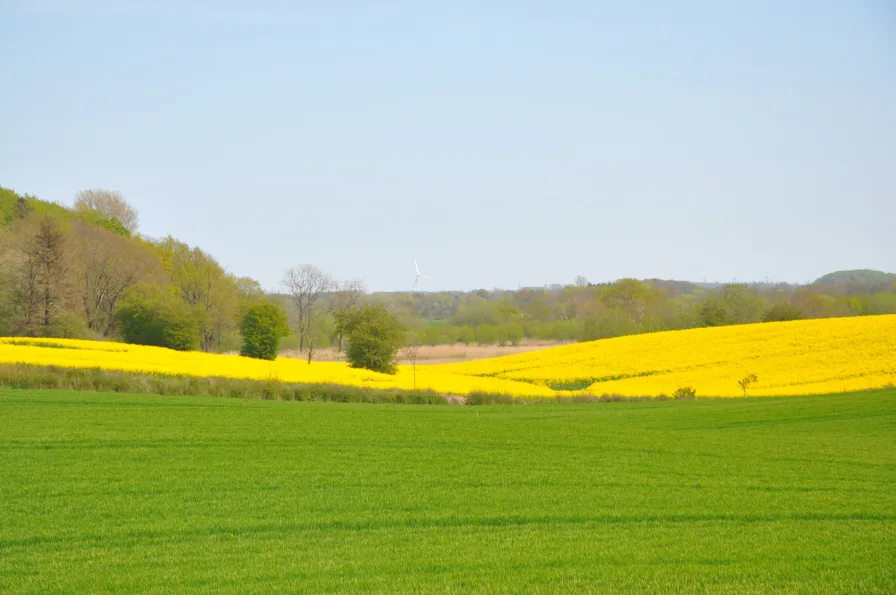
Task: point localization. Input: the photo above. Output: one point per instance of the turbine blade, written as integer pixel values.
(416, 267)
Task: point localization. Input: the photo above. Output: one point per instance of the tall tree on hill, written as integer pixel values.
(42, 280)
(110, 204)
(306, 285)
(106, 266)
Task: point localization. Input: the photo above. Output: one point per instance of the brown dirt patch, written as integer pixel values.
(440, 354)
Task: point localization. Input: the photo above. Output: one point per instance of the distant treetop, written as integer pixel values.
(110, 204)
(856, 276)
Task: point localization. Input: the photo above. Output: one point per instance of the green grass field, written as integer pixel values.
(112, 492)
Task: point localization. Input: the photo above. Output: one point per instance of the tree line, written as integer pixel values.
(584, 311)
(86, 272)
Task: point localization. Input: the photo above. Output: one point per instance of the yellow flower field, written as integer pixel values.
(789, 358)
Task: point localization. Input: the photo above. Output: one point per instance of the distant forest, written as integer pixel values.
(86, 272)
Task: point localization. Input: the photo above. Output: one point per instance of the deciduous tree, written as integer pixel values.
(633, 297)
(374, 337)
(345, 297)
(306, 285)
(150, 315)
(110, 204)
(204, 286)
(105, 266)
(263, 326)
(410, 352)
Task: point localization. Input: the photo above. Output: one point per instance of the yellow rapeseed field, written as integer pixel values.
(789, 358)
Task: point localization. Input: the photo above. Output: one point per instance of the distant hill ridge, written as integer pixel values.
(856, 276)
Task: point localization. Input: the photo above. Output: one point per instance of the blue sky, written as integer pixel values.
(500, 143)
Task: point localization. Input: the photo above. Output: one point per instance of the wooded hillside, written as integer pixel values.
(86, 272)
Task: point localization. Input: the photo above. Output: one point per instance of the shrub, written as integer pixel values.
(374, 336)
(263, 326)
(685, 393)
(66, 325)
(747, 381)
(149, 317)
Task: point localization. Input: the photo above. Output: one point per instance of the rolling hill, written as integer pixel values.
(789, 358)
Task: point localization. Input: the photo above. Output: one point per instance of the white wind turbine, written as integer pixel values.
(419, 276)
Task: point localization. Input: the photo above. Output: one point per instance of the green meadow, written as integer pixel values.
(125, 493)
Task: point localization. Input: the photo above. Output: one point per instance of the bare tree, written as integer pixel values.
(106, 266)
(306, 285)
(410, 353)
(345, 297)
(108, 203)
(566, 309)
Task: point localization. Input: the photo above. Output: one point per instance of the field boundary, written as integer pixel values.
(37, 377)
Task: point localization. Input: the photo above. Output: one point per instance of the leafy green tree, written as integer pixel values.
(514, 333)
(735, 304)
(881, 303)
(712, 313)
(633, 297)
(148, 315)
(430, 335)
(478, 314)
(9, 206)
(263, 326)
(374, 337)
(487, 334)
(346, 296)
(781, 312)
(211, 293)
(608, 323)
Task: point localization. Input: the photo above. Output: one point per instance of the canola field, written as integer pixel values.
(788, 358)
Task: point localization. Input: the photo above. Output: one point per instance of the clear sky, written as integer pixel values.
(501, 143)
